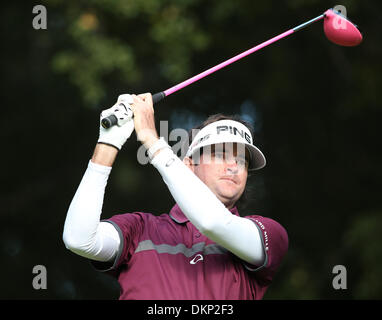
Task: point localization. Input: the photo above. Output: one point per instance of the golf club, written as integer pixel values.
(337, 28)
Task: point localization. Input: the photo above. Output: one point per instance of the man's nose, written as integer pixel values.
(232, 167)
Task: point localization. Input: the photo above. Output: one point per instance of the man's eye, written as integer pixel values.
(241, 162)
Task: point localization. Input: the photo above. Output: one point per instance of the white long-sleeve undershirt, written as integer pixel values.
(85, 235)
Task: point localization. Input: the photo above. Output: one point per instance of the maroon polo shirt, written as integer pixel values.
(166, 258)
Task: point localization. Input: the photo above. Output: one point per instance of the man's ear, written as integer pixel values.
(188, 162)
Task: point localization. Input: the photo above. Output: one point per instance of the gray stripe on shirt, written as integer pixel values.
(181, 248)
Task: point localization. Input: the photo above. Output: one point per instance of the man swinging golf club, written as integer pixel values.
(201, 249)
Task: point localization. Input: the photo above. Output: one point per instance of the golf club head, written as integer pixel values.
(340, 30)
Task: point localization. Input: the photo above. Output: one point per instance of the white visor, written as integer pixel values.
(228, 131)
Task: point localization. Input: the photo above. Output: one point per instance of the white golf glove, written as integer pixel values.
(118, 134)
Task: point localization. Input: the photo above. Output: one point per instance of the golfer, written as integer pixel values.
(202, 248)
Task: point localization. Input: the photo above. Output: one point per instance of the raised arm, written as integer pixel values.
(84, 234)
(197, 201)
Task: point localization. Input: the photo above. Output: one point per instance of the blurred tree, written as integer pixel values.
(122, 39)
(362, 244)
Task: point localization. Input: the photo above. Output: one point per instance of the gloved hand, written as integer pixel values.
(117, 135)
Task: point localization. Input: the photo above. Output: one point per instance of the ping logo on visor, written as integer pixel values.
(234, 130)
(228, 131)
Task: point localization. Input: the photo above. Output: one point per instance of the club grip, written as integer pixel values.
(109, 121)
(112, 120)
(158, 97)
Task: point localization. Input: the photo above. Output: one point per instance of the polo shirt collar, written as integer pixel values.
(178, 216)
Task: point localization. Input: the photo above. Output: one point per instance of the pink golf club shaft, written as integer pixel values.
(224, 64)
(112, 120)
(160, 95)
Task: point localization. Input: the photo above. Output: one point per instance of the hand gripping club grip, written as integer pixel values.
(112, 120)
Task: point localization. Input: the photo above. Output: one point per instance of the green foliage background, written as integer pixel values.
(316, 108)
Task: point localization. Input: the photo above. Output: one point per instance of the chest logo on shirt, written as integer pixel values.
(196, 259)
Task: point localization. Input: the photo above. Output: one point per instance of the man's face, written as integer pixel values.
(224, 170)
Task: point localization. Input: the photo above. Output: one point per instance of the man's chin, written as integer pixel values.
(228, 199)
